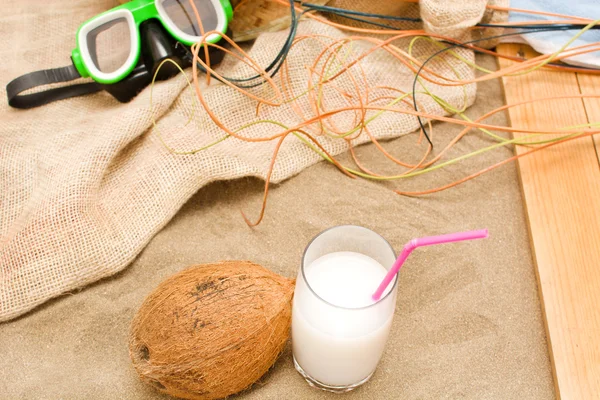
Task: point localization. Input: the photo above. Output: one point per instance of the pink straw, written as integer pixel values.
(425, 241)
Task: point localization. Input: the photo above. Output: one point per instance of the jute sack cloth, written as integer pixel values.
(86, 182)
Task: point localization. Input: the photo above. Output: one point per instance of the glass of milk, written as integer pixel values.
(338, 331)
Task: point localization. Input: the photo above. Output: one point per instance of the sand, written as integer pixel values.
(468, 320)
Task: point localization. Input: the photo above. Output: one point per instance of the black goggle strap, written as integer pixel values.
(46, 77)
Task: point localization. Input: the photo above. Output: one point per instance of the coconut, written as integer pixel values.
(211, 330)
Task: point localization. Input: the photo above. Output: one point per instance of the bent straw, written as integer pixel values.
(425, 241)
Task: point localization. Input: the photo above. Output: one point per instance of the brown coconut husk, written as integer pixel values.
(253, 17)
(397, 8)
(211, 330)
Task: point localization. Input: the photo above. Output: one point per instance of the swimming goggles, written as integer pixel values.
(120, 49)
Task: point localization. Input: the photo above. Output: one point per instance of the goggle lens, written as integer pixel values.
(109, 45)
(182, 15)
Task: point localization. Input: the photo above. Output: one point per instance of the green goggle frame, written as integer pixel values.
(121, 49)
(112, 59)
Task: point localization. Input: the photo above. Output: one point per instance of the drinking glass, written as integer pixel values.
(338, 348)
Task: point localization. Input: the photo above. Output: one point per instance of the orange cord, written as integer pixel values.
(350, 83)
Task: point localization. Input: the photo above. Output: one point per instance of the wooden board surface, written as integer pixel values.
(561, 188)
(590, 84)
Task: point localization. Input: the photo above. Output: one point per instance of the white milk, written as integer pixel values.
(340, 346)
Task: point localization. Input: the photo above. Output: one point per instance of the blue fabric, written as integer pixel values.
(549, 42)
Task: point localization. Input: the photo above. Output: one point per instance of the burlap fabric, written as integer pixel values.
(85, 183)
(453, 18)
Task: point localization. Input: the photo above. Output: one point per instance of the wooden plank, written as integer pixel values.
(590, 84)
(561, 189)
